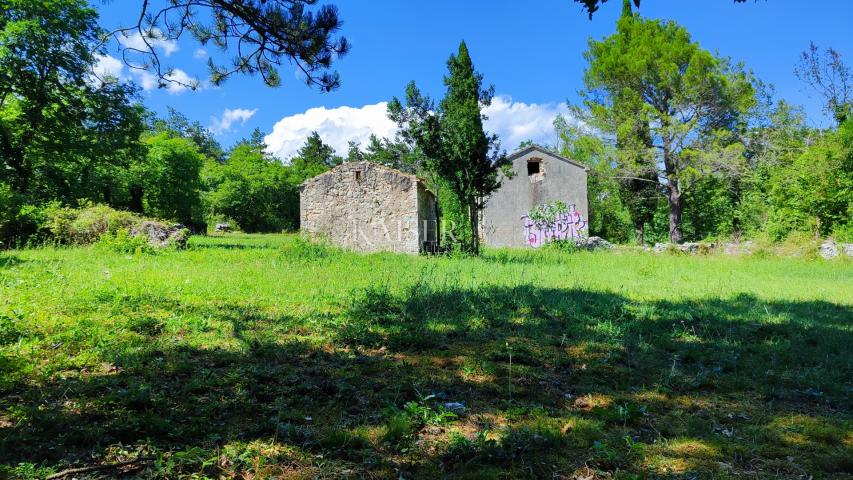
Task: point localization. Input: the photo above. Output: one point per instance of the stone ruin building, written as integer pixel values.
(539, 177)
(367, 207)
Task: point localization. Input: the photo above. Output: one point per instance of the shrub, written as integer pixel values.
(843, 233)
(307, 250)
(568, 245)
(88, 224)
(8, 206)
(123, 242)
(398, 429)
(18, 220)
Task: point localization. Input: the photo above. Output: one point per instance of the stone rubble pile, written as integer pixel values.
(830, 249)
(161, 235)
(596, 243)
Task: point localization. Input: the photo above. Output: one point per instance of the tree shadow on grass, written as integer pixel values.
(179, 398)
(560, 377)
(745, 342)
(8, 260)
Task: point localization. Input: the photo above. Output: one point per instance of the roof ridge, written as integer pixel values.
(536, 146)
(368, 162)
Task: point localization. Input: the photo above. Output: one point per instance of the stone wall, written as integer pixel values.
(504, 223)
(366, 207)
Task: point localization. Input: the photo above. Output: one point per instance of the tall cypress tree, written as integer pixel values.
(452, 138)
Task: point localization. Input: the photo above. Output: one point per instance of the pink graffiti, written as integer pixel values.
(566, 225)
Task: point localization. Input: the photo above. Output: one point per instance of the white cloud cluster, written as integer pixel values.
(336, 127)
(229, 117)
(155, 38)
(513, 121)
(109, 66)
(179, 81)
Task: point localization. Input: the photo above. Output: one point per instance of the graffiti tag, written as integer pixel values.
(563, 223)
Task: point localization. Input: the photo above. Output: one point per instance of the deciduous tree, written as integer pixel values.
(252, 189)
(170, 178)
(63, 135)
(829, 76)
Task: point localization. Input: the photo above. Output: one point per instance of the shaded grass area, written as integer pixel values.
(266, 356)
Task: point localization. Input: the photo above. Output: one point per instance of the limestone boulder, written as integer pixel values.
(597, 243)
(161, 235)
(828, 249)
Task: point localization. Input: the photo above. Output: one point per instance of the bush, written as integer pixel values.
(569, 245)
(123, 242)
(18, 221)
(112, 229)
(8, 206)
(307, 250)
(843, 233)
(88, 224)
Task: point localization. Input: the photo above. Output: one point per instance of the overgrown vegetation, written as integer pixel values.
(457, 152)
(70, 138)
(267, 355)
(699, 154)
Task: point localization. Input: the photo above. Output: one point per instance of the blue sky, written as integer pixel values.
(530, 51)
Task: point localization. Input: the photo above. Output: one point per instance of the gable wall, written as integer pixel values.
(377, 213)
(503, 216)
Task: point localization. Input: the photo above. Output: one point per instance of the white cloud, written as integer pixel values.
(513, 121)
(200, 54)
(229, 117)
(109, 66)
(106, 65)
(178, 75)
(181, 81)
(145, 79)
(155, 37)
(336, 127)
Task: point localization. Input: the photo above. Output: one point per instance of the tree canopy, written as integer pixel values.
(61, 132)
(452, 138)
(261, 35)
(828, 75)
(675, 108)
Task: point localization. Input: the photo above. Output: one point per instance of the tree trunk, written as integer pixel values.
(135, 204)
(640, 233)
(473, 217)
(676, 207)
(673, 192)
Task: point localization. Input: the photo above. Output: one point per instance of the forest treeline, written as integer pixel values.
(682, 144)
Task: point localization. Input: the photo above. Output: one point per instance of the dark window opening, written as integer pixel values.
(534, 166)
(358, 175)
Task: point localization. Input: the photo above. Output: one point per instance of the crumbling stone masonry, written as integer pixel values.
(367, 207)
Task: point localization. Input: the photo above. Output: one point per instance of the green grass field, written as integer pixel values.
(258, 356)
